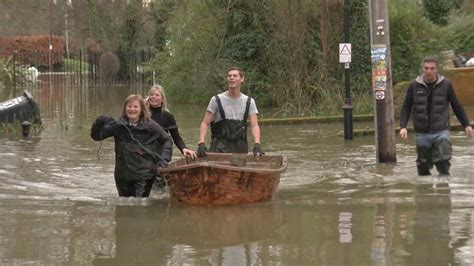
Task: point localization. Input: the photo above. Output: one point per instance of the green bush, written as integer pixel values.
(75, 65)
(412, 38)
(459, 34)
(188, 67)
(12, 74)
(289, 50)
(399, 91)
(438, 10)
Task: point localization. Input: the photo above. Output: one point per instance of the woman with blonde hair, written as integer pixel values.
(141, 146)
(158, 106)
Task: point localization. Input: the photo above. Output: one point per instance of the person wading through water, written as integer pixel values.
(429, 97)
(159, 112)
(141, 146)
(227, 115)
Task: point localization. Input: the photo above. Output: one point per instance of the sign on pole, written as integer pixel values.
(345, 52)
(379, 70)
(385, 140)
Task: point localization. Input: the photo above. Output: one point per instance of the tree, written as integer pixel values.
(438, 10)
(94, 19)
(128, 37)
(412, 37)
(161, 11)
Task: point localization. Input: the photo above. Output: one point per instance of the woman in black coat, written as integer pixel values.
(160, 114)
(141, 146)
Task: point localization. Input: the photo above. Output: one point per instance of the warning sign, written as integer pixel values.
(345, 51)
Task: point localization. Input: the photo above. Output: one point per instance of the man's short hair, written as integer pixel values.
(241, 72)
(429, 59)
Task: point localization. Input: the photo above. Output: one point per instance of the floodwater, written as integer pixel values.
(335, 205)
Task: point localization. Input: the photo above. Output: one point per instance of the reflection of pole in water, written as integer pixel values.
(345, 225)
(378, 243)
(383, 226)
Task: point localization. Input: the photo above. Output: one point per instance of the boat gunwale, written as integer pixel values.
(284, 164)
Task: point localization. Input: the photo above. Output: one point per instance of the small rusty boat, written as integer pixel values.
(224, 178)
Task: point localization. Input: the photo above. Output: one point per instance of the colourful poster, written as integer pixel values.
(379, 70)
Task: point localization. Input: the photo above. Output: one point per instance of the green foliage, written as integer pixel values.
(244, 42)
(128, 36)
(460, 33)
(399, 91)
(276, 43)
(293, 57)
(14, 128)
(160, 13)
(188, 67)
(12, 73)
(438, 10)
(75, 65)
(412, 38)
(288, 50)
(95, 21)
(362, 102)
(361, 69)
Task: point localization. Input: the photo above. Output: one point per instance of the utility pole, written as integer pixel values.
(345, 57)
(50, 48)
(382, 81)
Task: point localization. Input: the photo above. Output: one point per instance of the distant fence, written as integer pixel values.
(81, 68)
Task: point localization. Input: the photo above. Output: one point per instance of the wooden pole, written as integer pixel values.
(382, 81)
(50, 48)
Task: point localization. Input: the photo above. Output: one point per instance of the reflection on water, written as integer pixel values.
(58, 203)
(165, 233)
(431, 230)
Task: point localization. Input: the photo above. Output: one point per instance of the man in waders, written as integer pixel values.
(428, 97)
(227, 115)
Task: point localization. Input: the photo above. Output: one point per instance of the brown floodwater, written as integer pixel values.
(335, 204)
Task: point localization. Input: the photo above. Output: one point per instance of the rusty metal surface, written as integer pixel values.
(225, 179)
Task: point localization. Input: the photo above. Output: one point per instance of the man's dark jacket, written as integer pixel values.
(430, 106)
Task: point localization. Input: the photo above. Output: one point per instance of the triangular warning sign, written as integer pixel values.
(345, 50)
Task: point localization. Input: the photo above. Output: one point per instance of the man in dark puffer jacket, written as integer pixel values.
(428, 97)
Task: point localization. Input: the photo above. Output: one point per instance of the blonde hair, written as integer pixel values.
(144, 113)
(164, 101)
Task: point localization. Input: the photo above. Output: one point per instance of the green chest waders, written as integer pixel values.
(229, 135)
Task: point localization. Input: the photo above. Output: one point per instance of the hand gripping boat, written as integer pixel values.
(224, 178)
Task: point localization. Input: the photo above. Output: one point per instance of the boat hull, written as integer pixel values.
(223, 179)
